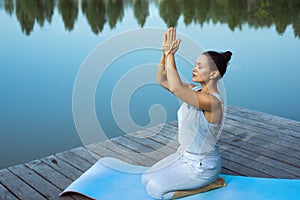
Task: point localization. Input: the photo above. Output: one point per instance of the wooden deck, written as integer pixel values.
(252, 144)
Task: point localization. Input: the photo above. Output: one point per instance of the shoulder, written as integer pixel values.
(188, 85)
(208, 102)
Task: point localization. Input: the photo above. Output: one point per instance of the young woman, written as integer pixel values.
(195, 167)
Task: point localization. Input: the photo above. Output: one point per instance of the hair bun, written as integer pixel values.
(227, 55)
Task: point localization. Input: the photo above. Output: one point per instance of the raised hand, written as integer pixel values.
(170, 44)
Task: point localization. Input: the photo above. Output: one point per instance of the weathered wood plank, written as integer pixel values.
(18, 187)
(263, 129)
(258, 163)
(156, 154)
(140, 151)
(5, 194)
(165, 137)
(50, 174)
(149, 142)
(253, 115)
(130, 144)
(46, 189)
(244, 136)
(262, 126)
(74, 160)
(225, 170)
(104, 149)
(241, 165)
(279, 154)
(158, 137)
(84, 154)
(63, 167)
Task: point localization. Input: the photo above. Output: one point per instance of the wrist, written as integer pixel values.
(170, 54)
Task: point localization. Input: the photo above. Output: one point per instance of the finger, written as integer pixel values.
(165, 37)
(170, 35)
(178, 42)
(174, 34)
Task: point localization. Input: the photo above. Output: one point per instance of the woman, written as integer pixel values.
(196, 165)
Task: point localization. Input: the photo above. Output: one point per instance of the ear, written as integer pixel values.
(214, 74)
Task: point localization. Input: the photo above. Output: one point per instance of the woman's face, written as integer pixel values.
(202, 70)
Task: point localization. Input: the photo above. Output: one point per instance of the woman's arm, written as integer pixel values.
(184, 91)
(161, 77)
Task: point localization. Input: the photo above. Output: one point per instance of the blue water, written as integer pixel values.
(38, 71)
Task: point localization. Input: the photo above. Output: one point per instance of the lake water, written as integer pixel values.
(44, 43)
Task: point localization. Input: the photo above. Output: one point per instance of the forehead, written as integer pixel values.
(202, 59)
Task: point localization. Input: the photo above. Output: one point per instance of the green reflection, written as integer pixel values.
(115, 12)
(141, 11)
(255, 13)
(94, 11)
(69, 12)
(9, 6)
(30, 11)
(170, 11)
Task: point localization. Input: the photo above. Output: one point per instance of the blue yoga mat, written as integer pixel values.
(113, 179)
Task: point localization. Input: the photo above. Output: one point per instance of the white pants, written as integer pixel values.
(181, 171)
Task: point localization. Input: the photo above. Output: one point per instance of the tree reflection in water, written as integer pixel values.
(255, 13)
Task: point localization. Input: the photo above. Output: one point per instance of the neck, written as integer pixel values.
(210, 87)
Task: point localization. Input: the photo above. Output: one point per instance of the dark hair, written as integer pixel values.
(220, 60)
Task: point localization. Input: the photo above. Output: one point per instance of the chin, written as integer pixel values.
(196, 80)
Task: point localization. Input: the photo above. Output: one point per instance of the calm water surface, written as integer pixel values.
(44, 43)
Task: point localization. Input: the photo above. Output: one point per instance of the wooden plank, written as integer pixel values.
(5, 194)
(153, 145)
(259, 163)
(224, 170)
(167, 138)
(168, 130)
(159, 137)
(260, 151)
(238, 134)
(74, 160)
(156, 154)
(149, 142)
(84, 154)
(139, 151)
(68, 170)
(130, 144)
(18, 187)
(46, 189)
(283, 134)
(101, 150)
(253, 115)
(241, 165)
(279, 154)
(266, 131)
(171, 129)
(50, 174)
(63, 167)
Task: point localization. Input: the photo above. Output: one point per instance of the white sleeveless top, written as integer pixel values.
(195, 134)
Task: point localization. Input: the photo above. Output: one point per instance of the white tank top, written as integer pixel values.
(195, 134)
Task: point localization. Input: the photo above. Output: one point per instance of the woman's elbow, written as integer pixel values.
(175, 90)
